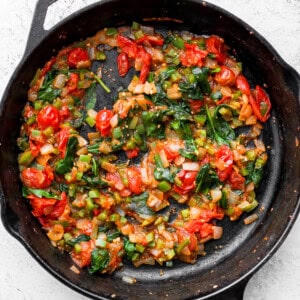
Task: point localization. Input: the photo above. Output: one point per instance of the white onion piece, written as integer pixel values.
(81, 141)
(216, 195)
(129, 279)
(163, 157)
(179, 160)
(252, 218)
(59, 81)
(217, 232)
(114, 121)
(47, 149)
(191, 166)
(92, 113)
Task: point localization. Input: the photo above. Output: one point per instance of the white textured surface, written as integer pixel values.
(21, 277)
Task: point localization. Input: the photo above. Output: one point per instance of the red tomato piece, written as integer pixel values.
(48, 116)
(127, 45)
(145, 59)
(41, 205)
(170, 154)
(114, 181)
(48, 66)
(62, 140)
(192, 55)
(184, 235)
(123, 64)
(237, 181)
(196, 105)
(188, 180)
(224, 154)
(37, 179)
(215, 45)
(72, 82)
(75, 56)
(225, 77)
(83, 258)
(135, 183)
(242, 84)
(260, 103)
(103, 122)
(151, 39)
(132, 153)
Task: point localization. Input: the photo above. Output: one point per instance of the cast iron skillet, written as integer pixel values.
(230, 262)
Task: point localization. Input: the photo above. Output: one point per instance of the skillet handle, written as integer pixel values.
(37, 31)
(236, 292)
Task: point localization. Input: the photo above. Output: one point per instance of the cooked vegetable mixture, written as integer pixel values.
(148, 180)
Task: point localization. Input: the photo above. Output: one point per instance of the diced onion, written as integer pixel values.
(47, 149)
(59, 81)
(163, 158)
(179, 160)
(114, 121)
(217, 232)
(129, 279)
(252, 218)
(191, 166)
(92, 113)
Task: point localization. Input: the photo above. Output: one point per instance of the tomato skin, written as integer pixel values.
(188, 179)
(145, 58)
(192, 55)
(196, 105)
(127, 45)
(237, 181)
(48, 116)
(260, 97)
(151, 39)
(48, 66)
(225, 77)
(215, 45)
(242, 84)
(225, 157)
(183, 234)
(72, 82)
(75, 56)
(103, 122)
(123, 64)
(62, 140)
(135, 183)
(132, 153)
(37, 179)
(83, 258)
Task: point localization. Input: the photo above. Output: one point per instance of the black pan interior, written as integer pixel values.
(242, 248)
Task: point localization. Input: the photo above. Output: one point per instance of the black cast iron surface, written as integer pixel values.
(243, 249)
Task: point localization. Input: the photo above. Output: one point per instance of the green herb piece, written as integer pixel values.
(100, 260)
(65, 165)
(78, 239)
(139, 205)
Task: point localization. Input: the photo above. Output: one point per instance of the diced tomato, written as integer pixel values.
(151, 39)
(132, 153)
(83, 258)
(48, 66)
(260, 103)
(62, 140)
(72, 82)
(135, 182)
(183, 235)
(127, 45)
(103, 122)
(225, 77)
(41, 206)
(215, 45)
(114, 181)
(192, 55)
(170, 154)
(242, 84)
(237, 181)
(188, 180)
(85, 226)
(76, 56)
(196, 105)
(64, 112)
(224, 161)
(37, 179)
(34, 147)
(145, 59)
(48, 116)
(223, 100)
(123, 64)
